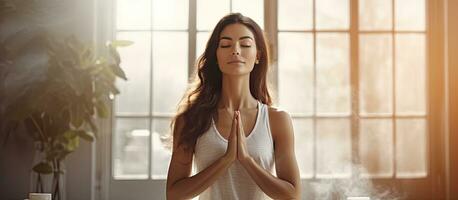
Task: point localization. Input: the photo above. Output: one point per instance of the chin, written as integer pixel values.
(236, 72)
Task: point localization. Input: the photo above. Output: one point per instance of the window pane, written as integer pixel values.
(410, 15)
(295, 79)
(376, 147)
(134, 97)
(161, 154)
(209, 12)
(411, 156)
(303, 145)
(376, 74)
(332, 14)
(253, 9)
(333, 148)
(170, 14)
(133, 15)
(170, 65)
(295, 14)
(333, 75)
(202, 39)
(410, 74)
(375, 14)
(130, 149)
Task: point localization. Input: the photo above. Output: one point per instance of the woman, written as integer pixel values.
(227, 124)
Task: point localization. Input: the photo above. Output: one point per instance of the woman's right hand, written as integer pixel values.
(231, 151)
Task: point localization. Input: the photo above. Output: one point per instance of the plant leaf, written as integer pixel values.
(73, 143)
(71, 140)
(118, 71)
(102, 109)
(121, 43)
(86, 135)
(76, 115)
(43, 168)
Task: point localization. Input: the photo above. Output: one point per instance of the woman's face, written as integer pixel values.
(237, 52)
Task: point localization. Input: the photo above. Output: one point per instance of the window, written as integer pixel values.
(353, 75)
(157, 79)
(158, 68)
(387, 108)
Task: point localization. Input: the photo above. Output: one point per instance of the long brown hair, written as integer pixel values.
(199, 104)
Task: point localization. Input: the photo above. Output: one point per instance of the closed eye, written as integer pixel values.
(227, 46)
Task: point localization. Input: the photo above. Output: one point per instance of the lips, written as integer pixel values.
(235, 61)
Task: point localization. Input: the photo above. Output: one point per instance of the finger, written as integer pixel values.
(239, 122)
(234, 125)
(238, 133)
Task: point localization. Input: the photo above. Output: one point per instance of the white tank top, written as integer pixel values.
(236, 183)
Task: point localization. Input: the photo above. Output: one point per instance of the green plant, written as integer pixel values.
(60, 108)
(51, 86)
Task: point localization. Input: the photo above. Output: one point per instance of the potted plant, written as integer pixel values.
(59, 109)
(52, 86)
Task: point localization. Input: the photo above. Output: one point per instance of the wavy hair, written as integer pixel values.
(199, 104)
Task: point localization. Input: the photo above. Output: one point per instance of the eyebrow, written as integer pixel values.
(241, 38)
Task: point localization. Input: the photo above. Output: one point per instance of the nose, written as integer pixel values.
(236, 50)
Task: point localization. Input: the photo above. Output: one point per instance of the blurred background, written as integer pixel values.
(371, 86)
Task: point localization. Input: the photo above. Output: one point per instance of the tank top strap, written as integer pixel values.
(266, 122)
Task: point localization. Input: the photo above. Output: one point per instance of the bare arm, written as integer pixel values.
(180, 185)
(287, 185)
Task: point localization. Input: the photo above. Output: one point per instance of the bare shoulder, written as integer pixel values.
(280, 123)
(278, 114)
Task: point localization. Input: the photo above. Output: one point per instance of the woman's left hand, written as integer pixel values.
(242, 150)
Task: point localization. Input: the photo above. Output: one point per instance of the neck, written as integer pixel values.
(235, 94)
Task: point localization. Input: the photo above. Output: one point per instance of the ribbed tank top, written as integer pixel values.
(236, 183)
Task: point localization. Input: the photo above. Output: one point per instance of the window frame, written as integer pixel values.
(415, 188)
(432, 186)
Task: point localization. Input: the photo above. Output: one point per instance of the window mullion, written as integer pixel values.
(354, 84)
(314, 123)
(393, 65)
(192, 35)
(271, 30)
(151, 109)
